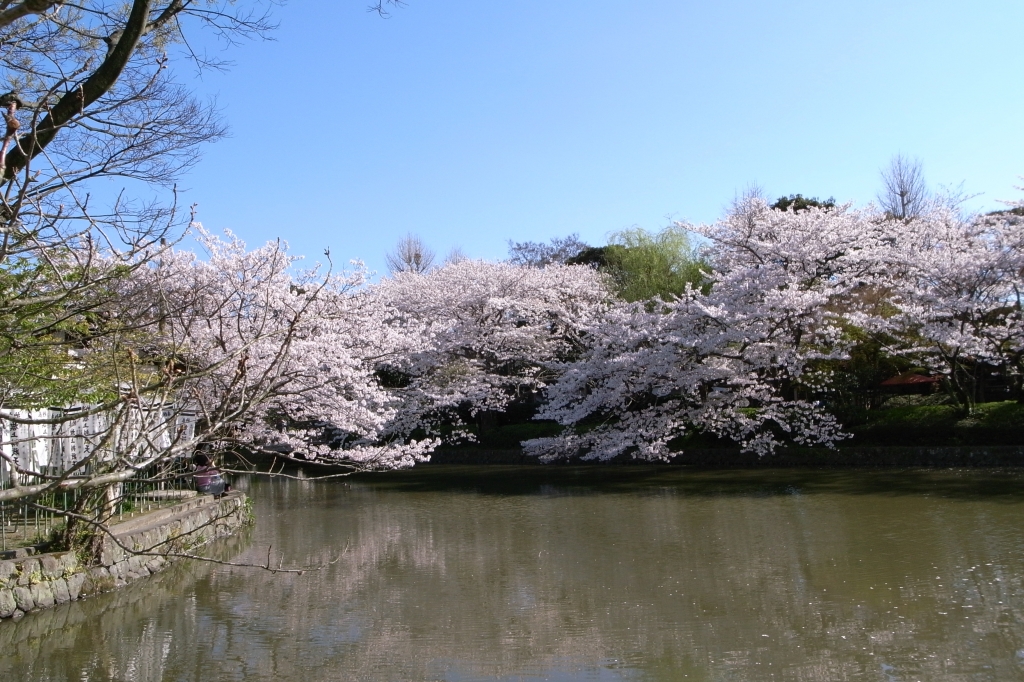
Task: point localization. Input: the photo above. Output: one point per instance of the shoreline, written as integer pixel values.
(927, 456)
(31, 582)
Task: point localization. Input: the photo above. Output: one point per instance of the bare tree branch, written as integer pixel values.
(410, 255)
(904, 194)
(380, 7)
(23, 9)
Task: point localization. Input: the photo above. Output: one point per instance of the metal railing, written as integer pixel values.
(36, 521)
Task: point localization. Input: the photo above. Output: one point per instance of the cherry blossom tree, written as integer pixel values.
(232, 349)
(289, 359)
(958, 303)
(783, 285)
(491, 330)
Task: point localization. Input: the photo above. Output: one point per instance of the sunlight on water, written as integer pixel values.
(617, 574)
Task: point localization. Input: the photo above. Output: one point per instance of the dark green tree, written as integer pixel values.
(798, 202)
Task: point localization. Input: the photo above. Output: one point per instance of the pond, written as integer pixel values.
(576, 573)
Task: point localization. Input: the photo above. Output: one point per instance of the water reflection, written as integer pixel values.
(578, 574)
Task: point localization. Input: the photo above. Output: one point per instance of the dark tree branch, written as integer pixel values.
(95, 86)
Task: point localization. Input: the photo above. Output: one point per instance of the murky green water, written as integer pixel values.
(505, 573)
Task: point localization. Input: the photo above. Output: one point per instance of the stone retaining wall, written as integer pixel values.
(41, 581)
(733, 458)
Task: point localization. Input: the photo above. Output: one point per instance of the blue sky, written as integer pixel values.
(471, 123)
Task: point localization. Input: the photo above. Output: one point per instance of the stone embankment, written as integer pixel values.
(132, 550)
(733, 458)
